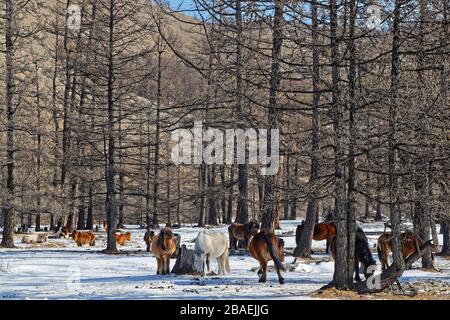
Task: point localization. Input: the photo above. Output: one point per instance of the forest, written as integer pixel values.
(92, 92)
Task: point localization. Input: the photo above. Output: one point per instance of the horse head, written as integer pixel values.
(253, 227)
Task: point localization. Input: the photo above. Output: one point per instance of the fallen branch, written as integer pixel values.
(393, 273)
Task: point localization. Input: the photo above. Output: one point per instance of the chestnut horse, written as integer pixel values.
(121, 238)
(148, 239)
(63, 232)
(163, 246)
(243, 232)
(322, 231)
(409, 241)
(265, 246)
(82, 238)
(362, 253)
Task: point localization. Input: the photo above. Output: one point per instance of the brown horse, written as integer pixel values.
(409, 241)
(82, 238)
(121, 238)
(163, 246)
(322, 231)
(148, 237)
(265, 246)
(362, 253)
(243, 232)
(63, 232)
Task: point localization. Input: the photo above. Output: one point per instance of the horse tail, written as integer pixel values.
(273, 253)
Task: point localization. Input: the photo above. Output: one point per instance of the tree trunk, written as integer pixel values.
(446, 237)
(398, 262)
(178, 195)
(351, 192)
(341, 263)
(201, 194)
(268, 212)
(81, 224)
(8, 206)
(223, 195)
(293, 215)
(229, 217)
(121, 170)
(90, 210)
(304, 247)
(169, 218)
(39, 152)
(212, 210)
(157, 136)
(111, 214)
(287, 187)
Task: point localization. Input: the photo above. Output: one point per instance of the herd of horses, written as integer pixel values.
(263, 245)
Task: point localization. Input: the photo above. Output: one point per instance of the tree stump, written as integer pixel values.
(185, 262)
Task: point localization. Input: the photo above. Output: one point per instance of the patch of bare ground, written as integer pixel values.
(420, 290)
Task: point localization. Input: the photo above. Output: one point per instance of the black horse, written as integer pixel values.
(362, 253)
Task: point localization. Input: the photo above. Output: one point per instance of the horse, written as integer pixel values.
(265, 246)
(82, 238)
(410, 244)
(121, 238)
(322, 231)
(163, 246)
(243, 232)
(211, 245)
(362, 253)
(119, 226)
(63, 233)
(148, 239)
(35, 238)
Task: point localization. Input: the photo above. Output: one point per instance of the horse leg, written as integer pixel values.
(158, 265)
(384, 259)
(263, 277)
(234, 246)
(207, 263)
(357, 278)
(220, 265)
(167, 265)
(280, 277)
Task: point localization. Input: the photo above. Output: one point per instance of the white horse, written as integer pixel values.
(211, 245)
(35, 238)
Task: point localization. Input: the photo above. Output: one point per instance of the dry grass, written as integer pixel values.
(436, 290)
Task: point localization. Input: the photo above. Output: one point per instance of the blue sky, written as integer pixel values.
(185, 4)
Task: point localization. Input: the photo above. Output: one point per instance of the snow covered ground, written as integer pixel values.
(61, 270)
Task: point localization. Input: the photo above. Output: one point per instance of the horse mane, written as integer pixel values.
(160, 242)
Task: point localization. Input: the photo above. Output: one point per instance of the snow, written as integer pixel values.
(61, 270)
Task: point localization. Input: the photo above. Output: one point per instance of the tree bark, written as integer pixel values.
(304, 248)
(398, 262)
(8, 206)
(341, 266)
(111, 214)
(269, 202)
